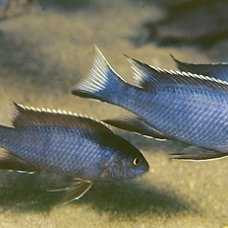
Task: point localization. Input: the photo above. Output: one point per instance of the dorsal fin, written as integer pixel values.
(29, 116)
(149, 76)
(218, 70)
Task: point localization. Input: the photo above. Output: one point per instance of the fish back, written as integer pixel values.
(215, 70)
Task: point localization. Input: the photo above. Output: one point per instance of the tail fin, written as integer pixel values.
(102, 83)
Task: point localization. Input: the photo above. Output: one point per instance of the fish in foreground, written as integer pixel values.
(215, 70)
(68, 144)
(180, 106)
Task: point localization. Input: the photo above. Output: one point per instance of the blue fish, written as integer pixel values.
(215, 70)
(184, 107)
(68, 144)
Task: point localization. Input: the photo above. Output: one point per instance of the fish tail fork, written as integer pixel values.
(102, 83)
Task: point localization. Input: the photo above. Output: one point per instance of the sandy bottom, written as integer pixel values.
(42, 55)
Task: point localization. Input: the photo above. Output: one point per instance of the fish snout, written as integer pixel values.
(139, 167)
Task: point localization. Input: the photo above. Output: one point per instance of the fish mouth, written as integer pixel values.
(141, 173)
(144, 169)
(133, 173)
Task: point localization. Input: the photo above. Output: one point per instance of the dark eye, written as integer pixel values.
(137, 161)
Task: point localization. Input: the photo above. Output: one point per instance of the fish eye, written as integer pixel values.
(137, 161)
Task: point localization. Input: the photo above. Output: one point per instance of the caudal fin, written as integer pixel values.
(102, 83)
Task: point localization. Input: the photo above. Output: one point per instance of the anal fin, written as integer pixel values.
(11, 162)
(136, 124)
(193, 153)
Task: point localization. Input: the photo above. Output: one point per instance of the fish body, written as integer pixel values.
(67, 144)
(181, 106)
(215, 70)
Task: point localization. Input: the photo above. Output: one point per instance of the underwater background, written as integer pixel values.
(46, 47)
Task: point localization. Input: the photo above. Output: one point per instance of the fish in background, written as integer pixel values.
(14, 8)
(184, 107)
(3, 7)
(215, 70)
(193, 22)
(70, 145)
(66, 5)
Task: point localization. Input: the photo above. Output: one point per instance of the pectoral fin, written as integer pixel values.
(194, 153)
(137, 125)
(77, 191)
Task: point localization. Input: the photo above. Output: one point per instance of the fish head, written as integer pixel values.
(135, 165)
(126, 163)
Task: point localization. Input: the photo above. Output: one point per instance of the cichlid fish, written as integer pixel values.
(215, 70)
(185, 107)
(68, 144)
(203, 23)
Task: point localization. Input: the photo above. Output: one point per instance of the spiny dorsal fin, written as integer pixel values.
(29, 116)
(149, 76)
(218, 70)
